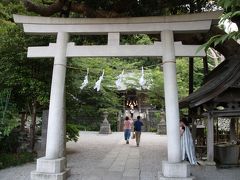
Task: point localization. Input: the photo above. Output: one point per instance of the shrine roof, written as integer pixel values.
(219, 80)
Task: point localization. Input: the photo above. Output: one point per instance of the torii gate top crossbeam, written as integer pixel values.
(113, 28)
(179, 23)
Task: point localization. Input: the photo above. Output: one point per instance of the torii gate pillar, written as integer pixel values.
(173, 168)
(171, 97)
(53, 165)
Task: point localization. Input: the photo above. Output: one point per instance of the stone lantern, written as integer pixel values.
(105, 127)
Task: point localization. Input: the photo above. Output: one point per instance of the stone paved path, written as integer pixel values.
(107, 157)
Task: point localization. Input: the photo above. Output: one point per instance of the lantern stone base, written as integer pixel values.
(105, 128)
(161, 128)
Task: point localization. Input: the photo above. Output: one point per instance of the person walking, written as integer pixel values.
(138, 129)
(127, 128)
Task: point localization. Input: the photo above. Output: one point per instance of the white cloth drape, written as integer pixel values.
(142, 81)
(118, 82)
(85, 82)
(98, 83)
(187, 147)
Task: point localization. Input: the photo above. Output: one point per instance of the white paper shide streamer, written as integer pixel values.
(118, 82)
(98, 83)
(85, 82)
(142, 81)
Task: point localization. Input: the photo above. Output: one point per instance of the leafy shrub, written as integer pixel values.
(153, 130)
(11, 142)
(8, 114)
(7, 160)
(72, 132)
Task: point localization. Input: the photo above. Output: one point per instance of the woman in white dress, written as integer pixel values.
(187, 146)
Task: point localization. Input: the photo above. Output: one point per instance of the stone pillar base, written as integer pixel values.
(54, 169)
(161, 177)
(175, 171)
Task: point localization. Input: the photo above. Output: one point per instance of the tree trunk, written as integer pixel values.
(205, 66)
(23, 120)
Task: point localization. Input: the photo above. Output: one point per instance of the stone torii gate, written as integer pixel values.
(53, 166)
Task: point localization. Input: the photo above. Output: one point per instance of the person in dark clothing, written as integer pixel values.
(138, 129)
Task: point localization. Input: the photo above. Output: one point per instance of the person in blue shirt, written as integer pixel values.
(138, 129)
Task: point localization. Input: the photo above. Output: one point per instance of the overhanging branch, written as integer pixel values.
(42, 9)
(228, 48)
(58, 6)
(89, 12)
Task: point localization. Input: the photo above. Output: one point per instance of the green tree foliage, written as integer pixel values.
(10, 7)
(72, 132)
(8, 114)
(183, 75)
(87, 105)
(8, 109)
(27, 80)
(156, 91)
(231, 13)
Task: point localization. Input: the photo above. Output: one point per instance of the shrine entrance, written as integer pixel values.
(53, 165)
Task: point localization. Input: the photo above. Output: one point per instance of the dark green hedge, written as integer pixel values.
(7, 160)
